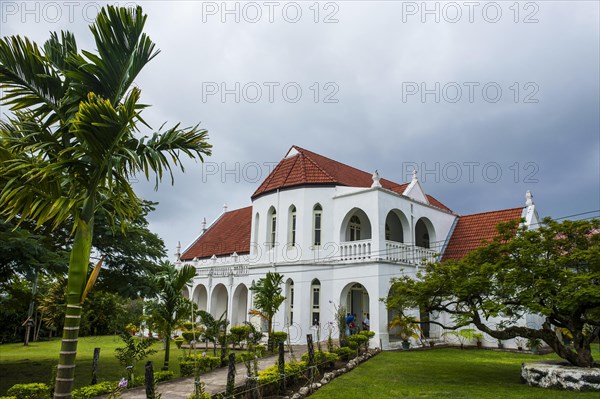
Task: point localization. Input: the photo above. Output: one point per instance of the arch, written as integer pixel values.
(200, 297)
(315, 302)
(397, 227)
(289, 302)
(218, 301)
(291, 231)
(317, 223)
(271, 227)
(355, 226)
(355, 298)
(239, 308)
(424, 233)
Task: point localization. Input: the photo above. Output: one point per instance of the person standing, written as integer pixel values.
(366, 323)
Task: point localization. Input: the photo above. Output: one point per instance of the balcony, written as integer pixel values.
(355, 250)
(363, 250)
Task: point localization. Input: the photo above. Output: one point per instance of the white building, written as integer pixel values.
(338, 235)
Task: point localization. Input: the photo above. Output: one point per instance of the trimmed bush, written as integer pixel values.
(293, 370)
(239, 334)
(277, 337)
(8, 397)
(189, 335)
(179, 342)
(92, 391)
(345, 353)
(186, 368)
(36, 390)
(160, 376)
(322, 359)
(357, 339)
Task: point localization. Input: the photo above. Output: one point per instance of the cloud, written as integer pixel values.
(543, 131)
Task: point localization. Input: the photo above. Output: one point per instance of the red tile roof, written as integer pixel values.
(473, 231)
(229, 234)
(309, 168)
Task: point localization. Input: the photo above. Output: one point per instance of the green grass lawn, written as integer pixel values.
(22, 364)
(441, 373)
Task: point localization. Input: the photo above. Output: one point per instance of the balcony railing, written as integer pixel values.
(355, 250)
(223, 271)
(400, 252)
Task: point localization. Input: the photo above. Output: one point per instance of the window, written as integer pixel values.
(317, 222)
(292, 227)
(272, 228)
(315, 301)
(290, 296)
(354, 228)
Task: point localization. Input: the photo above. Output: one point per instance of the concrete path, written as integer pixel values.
(215, 380)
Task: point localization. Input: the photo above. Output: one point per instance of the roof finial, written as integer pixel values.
(376, 179)
(224, 208)
(528, 198)
(178, 250)
(415, 174)
(203, 225)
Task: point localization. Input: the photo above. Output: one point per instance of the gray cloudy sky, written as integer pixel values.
(486, 99)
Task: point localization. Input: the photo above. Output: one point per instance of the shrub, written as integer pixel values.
(205, 363)
(239, 334)
(8, 397)
(189, 335)
(345, 353)
(277, 337)
(321, 358)
(160, 376)
(179, 342)
(358, 339)
(36, 390)
(352, 345)
(188, 325)
(186, 368)
(293, 370)
(92, 391)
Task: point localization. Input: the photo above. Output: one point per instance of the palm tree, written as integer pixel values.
(268, 298)
(171, 308)
(213, 327)
(72, 143)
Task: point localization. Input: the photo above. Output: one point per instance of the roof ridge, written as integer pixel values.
(304, 151)
(315, 162)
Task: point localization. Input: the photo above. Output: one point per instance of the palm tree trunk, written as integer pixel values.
(167, 350)
(78, 269)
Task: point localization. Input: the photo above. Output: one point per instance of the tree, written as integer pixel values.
(268, 298)
(553, 272)
(71, 146)
(213, 327)
(171, 308)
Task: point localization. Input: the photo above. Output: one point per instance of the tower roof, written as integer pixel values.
(301, 167)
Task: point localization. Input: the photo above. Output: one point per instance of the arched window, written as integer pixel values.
(272, 227)
(290, 302)
(422, 234)
(354, 227)
(315, 299)
(317, 224)
(292, 226)
(256, 224)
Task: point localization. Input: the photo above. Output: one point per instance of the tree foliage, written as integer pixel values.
(72, 144)
(170, 308)
(552, 271)
(267, 297)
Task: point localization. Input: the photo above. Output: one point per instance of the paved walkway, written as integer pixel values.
(215, 380)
